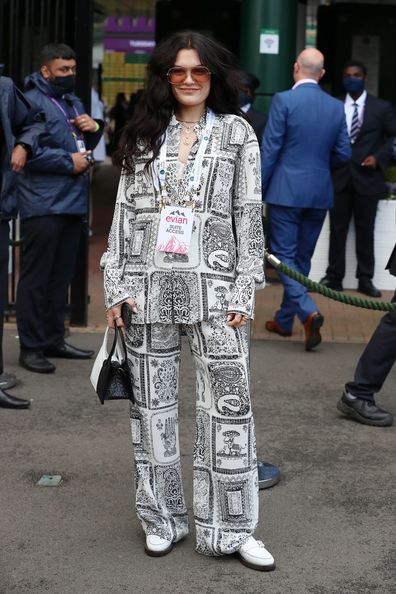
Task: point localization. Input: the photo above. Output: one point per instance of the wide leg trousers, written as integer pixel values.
(224, 463)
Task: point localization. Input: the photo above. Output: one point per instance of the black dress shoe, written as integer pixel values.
(7, 381)
(364, 411)
(8, 401)
(331, 284)
(35, 361)
(369, 289)
(68, 351)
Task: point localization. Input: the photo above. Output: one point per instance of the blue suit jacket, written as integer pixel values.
(306, 134)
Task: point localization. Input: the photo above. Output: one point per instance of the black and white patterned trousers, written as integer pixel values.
(225, 465)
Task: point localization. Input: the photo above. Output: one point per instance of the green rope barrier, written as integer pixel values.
(318, 288)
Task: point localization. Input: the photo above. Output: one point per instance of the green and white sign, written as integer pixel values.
(269, 41)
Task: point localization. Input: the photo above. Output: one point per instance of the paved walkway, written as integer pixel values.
(330, 522)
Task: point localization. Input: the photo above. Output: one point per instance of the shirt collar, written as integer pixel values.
(303, 81)
(245, 108)
(360, 100)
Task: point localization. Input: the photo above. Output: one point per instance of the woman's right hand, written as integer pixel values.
(113, 314)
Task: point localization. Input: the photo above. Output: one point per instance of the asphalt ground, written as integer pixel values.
(330, 522)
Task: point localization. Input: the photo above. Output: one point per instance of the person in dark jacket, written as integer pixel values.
(119, 114)
(359, 184)
(249, 84)
(20, 126)
(53, 203)
(377, 360)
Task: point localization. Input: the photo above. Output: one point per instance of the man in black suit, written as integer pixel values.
(249, 84)
(359, 184)
(372, 370)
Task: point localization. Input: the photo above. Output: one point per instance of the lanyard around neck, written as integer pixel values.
(195, 176)
(75, 131)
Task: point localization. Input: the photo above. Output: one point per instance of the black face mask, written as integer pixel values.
(62, 84)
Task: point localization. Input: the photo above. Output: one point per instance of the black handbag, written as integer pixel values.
(110, 374)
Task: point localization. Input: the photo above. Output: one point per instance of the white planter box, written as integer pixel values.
(384, 241)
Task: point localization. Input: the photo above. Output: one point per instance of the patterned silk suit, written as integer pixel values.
(191, 294)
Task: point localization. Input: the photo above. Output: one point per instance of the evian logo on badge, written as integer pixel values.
(175, 229)
(177, 217)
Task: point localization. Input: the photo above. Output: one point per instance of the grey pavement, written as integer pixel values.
(330, 522)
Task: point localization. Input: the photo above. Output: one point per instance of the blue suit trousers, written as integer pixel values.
(293, 235)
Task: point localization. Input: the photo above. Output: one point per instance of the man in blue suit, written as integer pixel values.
(306, 134)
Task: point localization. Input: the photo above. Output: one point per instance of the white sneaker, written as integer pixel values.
(157, 546)
(253, 554)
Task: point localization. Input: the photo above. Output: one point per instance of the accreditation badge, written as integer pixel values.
(175, 229)
(80, 145)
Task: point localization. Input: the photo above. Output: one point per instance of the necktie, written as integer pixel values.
(354, 124)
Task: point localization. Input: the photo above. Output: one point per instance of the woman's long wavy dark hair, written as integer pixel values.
(156, 104)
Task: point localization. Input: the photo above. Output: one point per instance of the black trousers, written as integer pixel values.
(4, 245)
(364, 210)
(49, 252)
(377, 359)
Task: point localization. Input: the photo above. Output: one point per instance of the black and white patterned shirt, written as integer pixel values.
(224, 264)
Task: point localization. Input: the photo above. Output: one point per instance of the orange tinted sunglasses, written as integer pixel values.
(178, 74)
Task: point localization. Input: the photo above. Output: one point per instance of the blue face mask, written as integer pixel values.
(353, 85)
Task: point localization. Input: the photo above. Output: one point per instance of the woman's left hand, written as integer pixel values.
(113, 315)
(237, 320)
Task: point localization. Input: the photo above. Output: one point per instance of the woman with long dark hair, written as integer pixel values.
(186, 254)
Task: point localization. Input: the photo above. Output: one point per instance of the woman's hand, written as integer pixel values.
(113, 314)
(236, 320)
